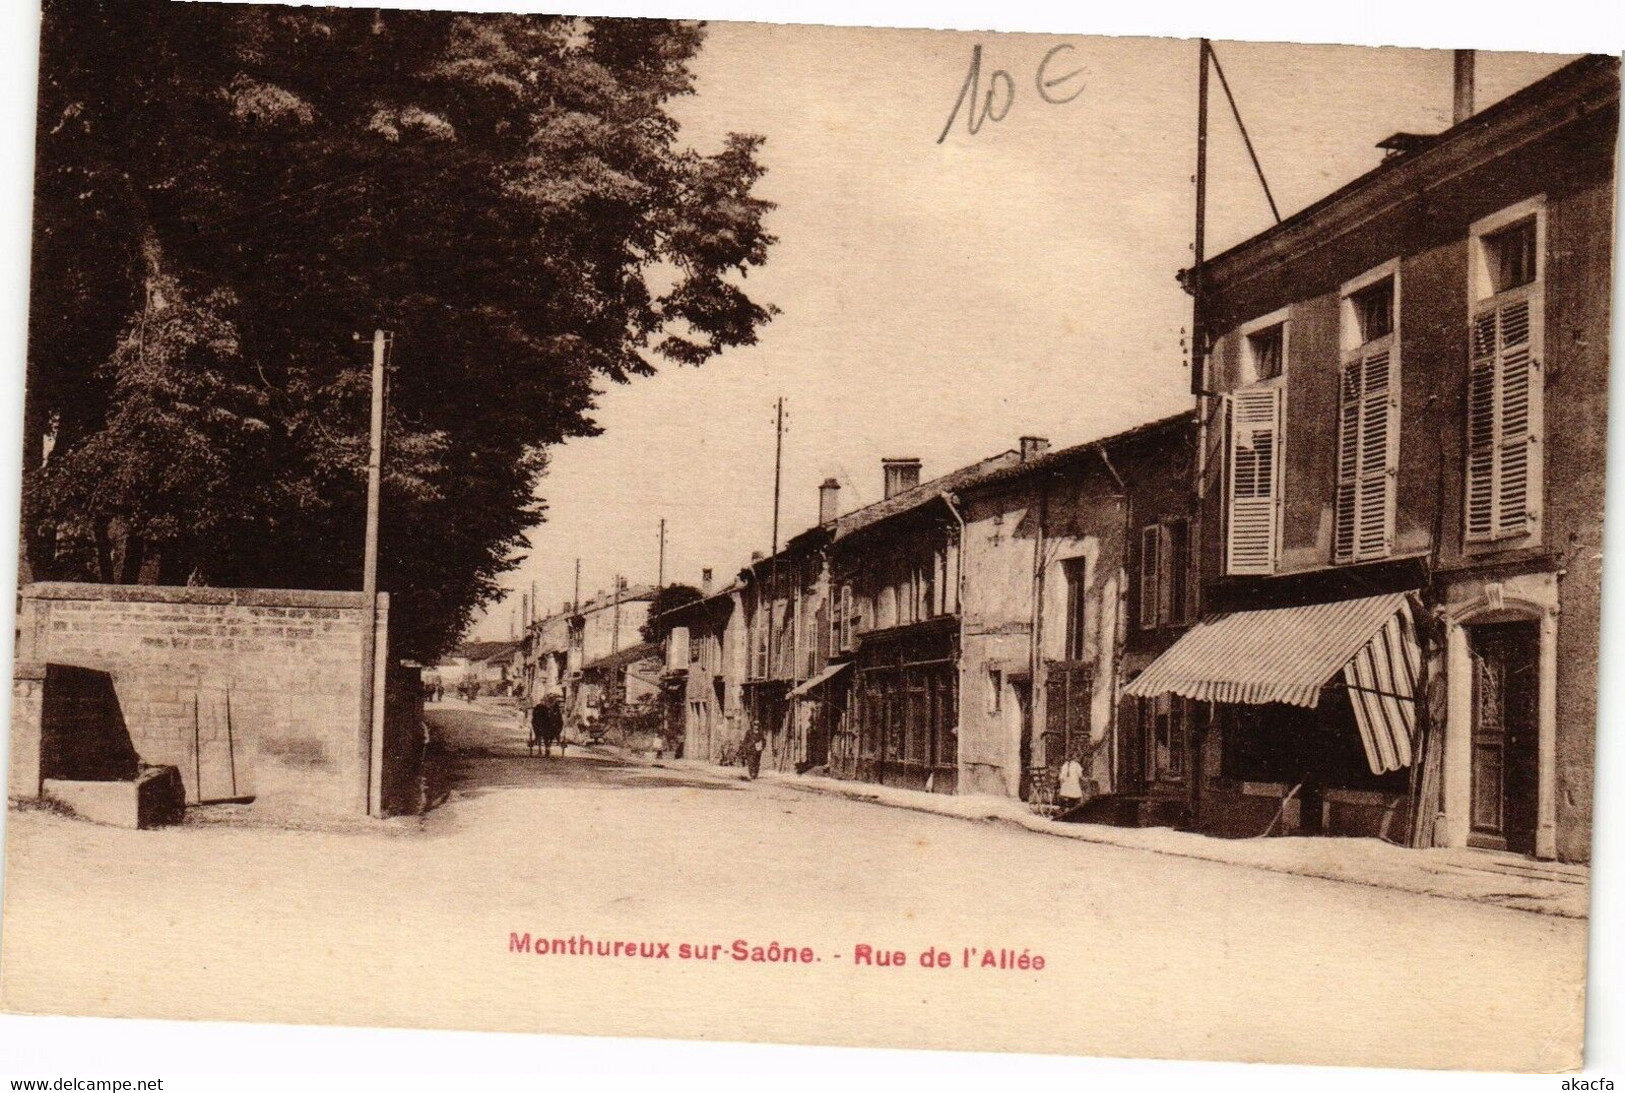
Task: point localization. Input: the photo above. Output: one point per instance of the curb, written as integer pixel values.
(1091, 833)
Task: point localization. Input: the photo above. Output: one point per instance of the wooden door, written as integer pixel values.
(1505, 729)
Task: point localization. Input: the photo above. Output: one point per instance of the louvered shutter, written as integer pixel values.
(1165, 576)
(1504, 419)
(1255, 435)
(1150, 568)
(1368, 452)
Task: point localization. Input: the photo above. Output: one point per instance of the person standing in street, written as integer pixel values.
(1069, 787)
(755, 744)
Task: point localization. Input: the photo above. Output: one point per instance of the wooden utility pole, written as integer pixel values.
(576, 603)
(778, 465)
(382, 340)
(1198, 334)
(660, 581)
(773, 565)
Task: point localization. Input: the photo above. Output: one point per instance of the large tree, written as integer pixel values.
(227, 195)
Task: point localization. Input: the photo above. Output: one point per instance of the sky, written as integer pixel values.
(941, 298)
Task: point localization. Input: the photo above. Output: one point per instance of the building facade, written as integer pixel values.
(1076, 567)
(1399, 532)
(704, 673)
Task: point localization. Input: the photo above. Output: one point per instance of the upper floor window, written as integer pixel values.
(1266, 351)
(1252, 514)
(1077, 606)
(1165, 559)
(1509, 256)
(843, 622)
(1505, 383)
(1368, 417)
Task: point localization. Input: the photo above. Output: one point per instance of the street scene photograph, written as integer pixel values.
(861, 537)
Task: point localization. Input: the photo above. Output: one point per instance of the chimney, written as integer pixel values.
(829, 501)
(1032, 447)
(757, 555)
(1464, 86)
(705, 581)
(901, 475)
(569, 606)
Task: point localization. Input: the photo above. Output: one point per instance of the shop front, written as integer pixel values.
(1305, 717)
(905, 701)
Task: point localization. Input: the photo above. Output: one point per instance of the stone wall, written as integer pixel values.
(253, 694)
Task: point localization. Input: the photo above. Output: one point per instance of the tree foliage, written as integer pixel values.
(669, 598)
(226, 195)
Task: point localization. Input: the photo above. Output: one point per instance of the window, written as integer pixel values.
(1505, 382)
(1266, 353)
(1368, 418)
(1509, 256)
(1372, 310)
(1177, 573)
(1077, 606)
(844, 620)
(995, 692)
(1168, 716)
(1253, 517)
(1150, 576)
(1165, 560)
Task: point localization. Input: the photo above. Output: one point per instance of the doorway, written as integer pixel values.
(1505, 732)
(1022, 690)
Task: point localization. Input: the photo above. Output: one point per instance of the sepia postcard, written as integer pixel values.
(995, 542)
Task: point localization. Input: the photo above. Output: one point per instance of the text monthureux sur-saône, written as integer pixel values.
(741, 951)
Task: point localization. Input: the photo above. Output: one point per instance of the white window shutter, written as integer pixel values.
(1483, 461)
(1368, 453)
(1255, 472)
(1505, 392)
(1150, 569)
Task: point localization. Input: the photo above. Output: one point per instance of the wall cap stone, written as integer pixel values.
(241, 597)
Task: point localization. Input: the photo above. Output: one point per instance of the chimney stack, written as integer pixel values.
(1464, 86)
(569, 606)
(705, 581)
(901, 475)
(829, 501)
(1032, 447)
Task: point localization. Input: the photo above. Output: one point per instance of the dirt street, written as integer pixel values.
(414, 923)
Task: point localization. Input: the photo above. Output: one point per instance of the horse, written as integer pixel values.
(546, 729)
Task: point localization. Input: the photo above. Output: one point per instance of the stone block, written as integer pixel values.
(153, 799)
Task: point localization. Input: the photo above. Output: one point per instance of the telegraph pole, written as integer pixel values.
(773, 566)
(382, 340)
(576, 603)
(660, 581)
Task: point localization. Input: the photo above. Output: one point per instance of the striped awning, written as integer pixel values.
(1291, 654)
(805, 688)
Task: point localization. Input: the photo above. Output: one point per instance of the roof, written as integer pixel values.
(1400, 177)
(604, 600)
(923, 494)
(643, 650)
(1282, 654)
(486, 650)
(1056, 459)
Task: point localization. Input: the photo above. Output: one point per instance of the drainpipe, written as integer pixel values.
(959, 610)
(1120, 631)
(1035, 623)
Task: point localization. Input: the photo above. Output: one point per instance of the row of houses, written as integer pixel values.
(591, 655)
(1353, 590)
